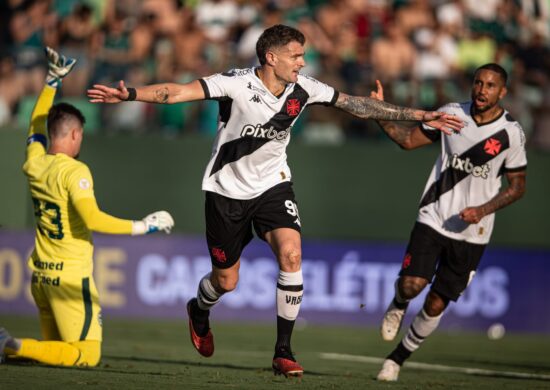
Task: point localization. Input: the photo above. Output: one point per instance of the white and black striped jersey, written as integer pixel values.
(468, 172)
(249, 152)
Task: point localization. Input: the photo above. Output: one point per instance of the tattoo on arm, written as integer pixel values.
(161, 95)
(398, 134)
(365, 107)
(513, 192)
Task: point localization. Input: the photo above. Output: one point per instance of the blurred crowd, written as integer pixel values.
(423, 51)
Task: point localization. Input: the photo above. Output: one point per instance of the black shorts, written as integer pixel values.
(229, 221)
(452, 262)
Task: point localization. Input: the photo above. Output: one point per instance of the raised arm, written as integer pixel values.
(513, 192)
(37, 137)
(374, 108)
(166, 93)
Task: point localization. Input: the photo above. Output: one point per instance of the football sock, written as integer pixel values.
(207, 297)
(423, 325)
(399, 354)
(290, 289)
(55, 353)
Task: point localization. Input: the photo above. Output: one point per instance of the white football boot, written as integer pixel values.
(389, 371)
(393, 318)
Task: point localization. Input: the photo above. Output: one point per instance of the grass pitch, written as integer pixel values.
(144, 354)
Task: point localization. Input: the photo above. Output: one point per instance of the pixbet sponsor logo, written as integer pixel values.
(465, 165)
(259, 131)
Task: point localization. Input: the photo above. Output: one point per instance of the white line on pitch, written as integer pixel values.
(435, 367)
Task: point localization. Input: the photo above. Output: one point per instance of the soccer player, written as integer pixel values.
(66, 213)
(247, 181)
(457, 209)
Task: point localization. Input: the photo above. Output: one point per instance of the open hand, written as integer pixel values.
(103, 94)
(447, 123)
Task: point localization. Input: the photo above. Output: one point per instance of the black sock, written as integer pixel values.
(284, 333)
(200, 319)
(399, 354)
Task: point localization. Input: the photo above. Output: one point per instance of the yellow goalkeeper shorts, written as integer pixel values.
(68, 307)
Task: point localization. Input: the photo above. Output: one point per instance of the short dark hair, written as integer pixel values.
(277, 36)
(495, 68)
(59, 113)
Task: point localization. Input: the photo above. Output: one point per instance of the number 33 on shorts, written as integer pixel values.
(292, 209)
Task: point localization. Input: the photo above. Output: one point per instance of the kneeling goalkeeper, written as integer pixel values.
(66, 213)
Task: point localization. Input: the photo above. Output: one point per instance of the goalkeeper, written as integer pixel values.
(66, 213)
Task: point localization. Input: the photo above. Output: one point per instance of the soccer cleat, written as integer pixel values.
(393, 318)
(389, 371)
(285, 364)
(203, 344)
(4, 338)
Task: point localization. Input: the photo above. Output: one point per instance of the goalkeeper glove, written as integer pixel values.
(159, 220)
(59, 66)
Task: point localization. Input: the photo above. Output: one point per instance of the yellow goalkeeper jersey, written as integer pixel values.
(63, 242)
(62, 191)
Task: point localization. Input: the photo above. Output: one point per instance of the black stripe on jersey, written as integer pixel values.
(234, 150)
(205, 89)
(332, 101)
(503, 170)
(451, 177)
(430, 134)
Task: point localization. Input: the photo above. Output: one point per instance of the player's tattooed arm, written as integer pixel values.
(161, 95)
(157, 93)
(514, 191)
(368, 108)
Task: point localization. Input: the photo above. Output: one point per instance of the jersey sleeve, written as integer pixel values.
(219, 85)
(319, 92)
(81, 193)
(37, 139)
(431, 132)
(98, 221)
(516, 159)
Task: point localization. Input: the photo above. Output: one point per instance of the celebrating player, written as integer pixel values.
(456, 215)
(66, 213)
(247, 181)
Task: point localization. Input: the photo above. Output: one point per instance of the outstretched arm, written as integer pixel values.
(406, 137)
(37, 137)
(166, 93)
(98, 221)
(514, 191)
(374, 108)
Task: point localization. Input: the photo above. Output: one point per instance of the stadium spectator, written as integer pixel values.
(66, 214)
(456, 212)
(247, 181)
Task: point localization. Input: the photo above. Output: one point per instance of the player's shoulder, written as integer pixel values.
(308, 80)
(456, 108)
(513, 127)
(235, 73)
(71, 165)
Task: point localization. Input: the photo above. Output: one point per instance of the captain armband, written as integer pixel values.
(38, 138)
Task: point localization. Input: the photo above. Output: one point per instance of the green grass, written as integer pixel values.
(141, 354)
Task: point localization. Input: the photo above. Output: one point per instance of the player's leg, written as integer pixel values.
(286, 245)
(417, 269)
(76, 313)
(228, 231)
(277, 221)
(406, 288)
(456, 269)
